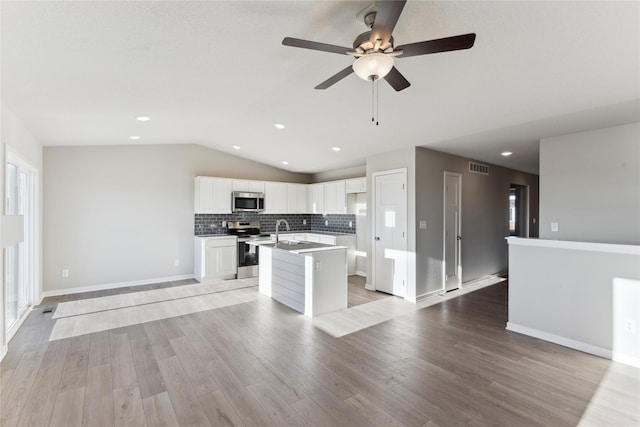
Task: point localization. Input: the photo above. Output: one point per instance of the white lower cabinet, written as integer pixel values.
(215, 258)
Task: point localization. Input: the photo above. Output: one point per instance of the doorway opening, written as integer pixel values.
(452, 231)
(518, 211)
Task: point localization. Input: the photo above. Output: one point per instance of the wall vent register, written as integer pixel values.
(478, 168)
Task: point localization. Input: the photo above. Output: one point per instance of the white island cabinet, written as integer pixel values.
(310, 278)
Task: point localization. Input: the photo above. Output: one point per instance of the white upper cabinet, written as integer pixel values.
(335, 197)
(296, 198)
(212, 195)
(315, 195)
(356, 185)
(248, 185)
(275, 197)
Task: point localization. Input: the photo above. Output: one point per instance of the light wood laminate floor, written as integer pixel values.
(259, 363)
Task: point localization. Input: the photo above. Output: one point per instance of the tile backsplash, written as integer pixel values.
(205, 224)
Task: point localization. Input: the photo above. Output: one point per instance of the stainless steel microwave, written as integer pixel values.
(242, 201)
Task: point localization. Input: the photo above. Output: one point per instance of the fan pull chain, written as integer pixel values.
(375, 104)
(373, 111)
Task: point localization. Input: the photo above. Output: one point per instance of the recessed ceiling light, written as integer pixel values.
(143, 118)
(280, 125)
(284, 162)
(237, 147)
(336, 148)
(134, 137)
(506, 153)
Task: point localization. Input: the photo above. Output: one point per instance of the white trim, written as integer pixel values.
(560, 340)
(3, 352)
(361, 273)
(425, 296)
(106, 286)
(577, 246)
(626, 359)
(369, 287)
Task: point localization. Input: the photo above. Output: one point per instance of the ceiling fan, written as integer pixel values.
(374, 50)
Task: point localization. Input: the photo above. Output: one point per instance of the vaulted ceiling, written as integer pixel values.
(215, 73)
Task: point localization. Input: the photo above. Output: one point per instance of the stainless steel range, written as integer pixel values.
(248, 255)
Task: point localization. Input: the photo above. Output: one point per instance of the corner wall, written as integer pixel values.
(124, 214)
(484, 217)
(590, 186)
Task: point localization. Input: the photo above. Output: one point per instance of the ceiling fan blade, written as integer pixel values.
(335, 78)
(397, 80)
(306, 44)
(446, 44)
(386, 18)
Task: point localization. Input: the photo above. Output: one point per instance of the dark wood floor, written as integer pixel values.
(262, 364)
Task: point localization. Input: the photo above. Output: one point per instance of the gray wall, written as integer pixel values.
(568, 295)
(334, 175)
(118, 214)
(590, 186)
(484, 216)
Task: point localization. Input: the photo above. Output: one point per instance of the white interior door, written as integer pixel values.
(390, 232)
(452, 232)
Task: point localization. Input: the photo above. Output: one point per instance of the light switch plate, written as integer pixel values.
(423, 225)
(554, 227)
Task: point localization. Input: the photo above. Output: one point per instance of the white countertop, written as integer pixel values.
(216, 236)
(304, 247)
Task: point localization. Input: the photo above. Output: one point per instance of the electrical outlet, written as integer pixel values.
(630, 326)
(554, 227)
(176, 262)
(423, 224)
(224, 223)
(350, 224)
(326, 222)
(65, 273)
(304, 222)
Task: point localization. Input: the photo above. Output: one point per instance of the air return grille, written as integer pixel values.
(478, 168)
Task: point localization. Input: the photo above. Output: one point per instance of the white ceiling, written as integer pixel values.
(215, 73)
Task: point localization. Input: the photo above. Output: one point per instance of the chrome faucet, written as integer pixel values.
(278, 224)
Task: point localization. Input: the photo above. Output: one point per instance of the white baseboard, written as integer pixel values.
(427, 295)
(369, 287)
(106, 286)
(361, 273)
(3, 352)
(626, 359)
(563, 341)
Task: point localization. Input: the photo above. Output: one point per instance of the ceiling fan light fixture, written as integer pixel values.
(373, 66)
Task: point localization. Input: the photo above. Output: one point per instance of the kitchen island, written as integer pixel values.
(308, 277)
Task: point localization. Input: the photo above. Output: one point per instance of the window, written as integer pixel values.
(20, 259)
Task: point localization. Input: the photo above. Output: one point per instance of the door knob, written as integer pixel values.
(377, 238)
(459, 238)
